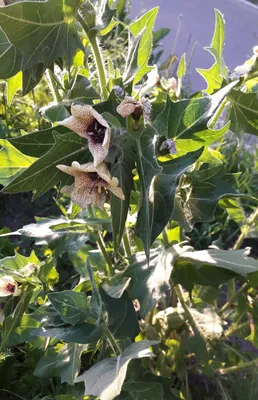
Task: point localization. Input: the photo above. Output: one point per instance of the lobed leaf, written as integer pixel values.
(45, 26)
(214, 76)
(122, 318)
(43, 174)
(65, 364)
(71, 306)
(105, 379)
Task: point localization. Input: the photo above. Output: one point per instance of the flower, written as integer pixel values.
(8, 286)
(130, 106)
(91, 184)
(88, 123)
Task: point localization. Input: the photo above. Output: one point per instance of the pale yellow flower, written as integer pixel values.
(8, 287)
(130, 106)
(88, 123)
(90, 184)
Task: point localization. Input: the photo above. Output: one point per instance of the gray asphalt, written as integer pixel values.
(198, 23)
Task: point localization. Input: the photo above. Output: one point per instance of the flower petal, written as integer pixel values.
(75, 125)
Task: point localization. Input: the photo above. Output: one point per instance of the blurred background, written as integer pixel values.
(191, 23)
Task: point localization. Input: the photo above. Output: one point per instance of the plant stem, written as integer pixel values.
(52, 86)
(97, 57)
(126, 242)
(217, 114)
(102, 247)
(229, 303)
(236, 328)
(111, 340)
(165, 238)
(246, 229)
(238, 368)
(185, 307)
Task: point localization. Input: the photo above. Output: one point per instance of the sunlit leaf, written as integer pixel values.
(105, 379)
(81, 333)
(46, 27)
(146, 23)
(214, 75)
(36, 144)
(13, 85)
(12, 162)
(43, 174)
(150, 282)
(65, 364)
(183, 118)
(70, 305)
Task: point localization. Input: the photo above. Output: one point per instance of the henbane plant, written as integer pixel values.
(118, 301)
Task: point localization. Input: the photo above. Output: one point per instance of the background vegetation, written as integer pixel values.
(154, 296)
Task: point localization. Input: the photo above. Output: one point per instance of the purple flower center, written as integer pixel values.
(96, 132)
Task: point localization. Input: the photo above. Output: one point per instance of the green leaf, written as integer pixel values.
(79, 258)
(244, 112)
(207, 321)
(122, 170)
(144, 24)
(185, 117)
(144, 390)
(65, 364)
(43, 174)
(150, 281)
(10, 58)
(12, 162)
(81, 334)
(105, 379)
(187, 275)
(13, 321)
(148, 167)
(131, 64)
(199, 193)
(31, 77)
(105, 15)
(22, 333)
(181, 70)
(55, 113)
(82, 91)
(41, 31)
(233, 260)
(38, 143)
(70, 305)
(214, 75)
(16, 265)
(200, 139)
(13, 85)
(162, 194)
(122, 318)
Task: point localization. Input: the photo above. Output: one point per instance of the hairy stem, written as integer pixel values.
(102, 247)
(165, 238)
(52, 86)
(245, 230)
(126, 242)
(97, 57)
(229, 303)
(232, 330)
(239, 368)
(112, 342)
